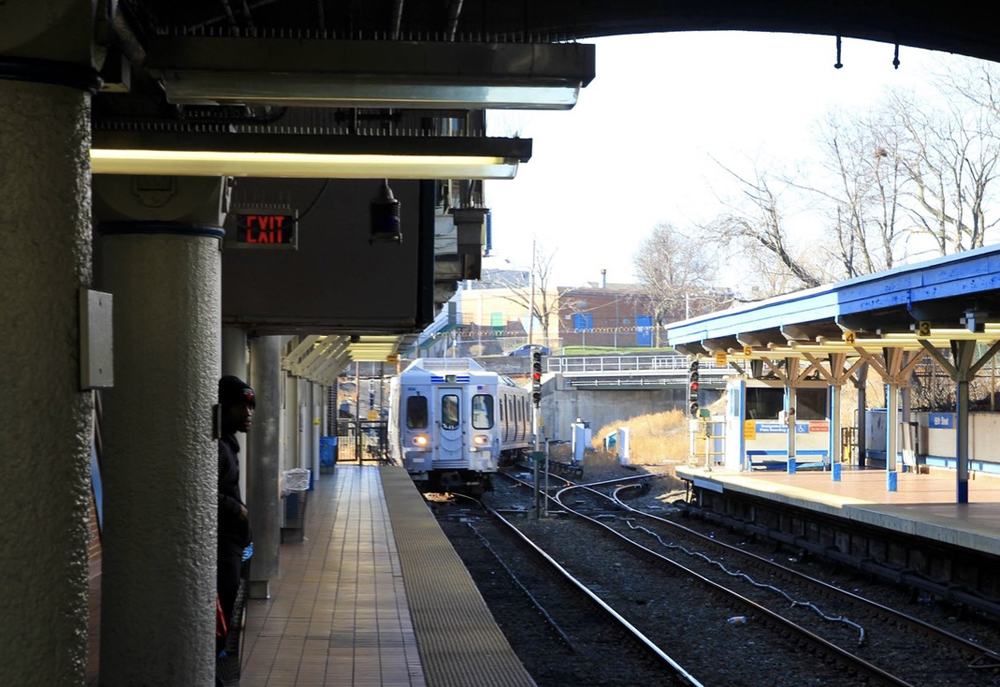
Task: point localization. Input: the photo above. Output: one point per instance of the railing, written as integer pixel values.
(594, 365)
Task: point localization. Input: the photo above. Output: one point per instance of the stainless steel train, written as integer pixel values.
(452, 423)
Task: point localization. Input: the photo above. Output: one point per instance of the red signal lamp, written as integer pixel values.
(694, 386)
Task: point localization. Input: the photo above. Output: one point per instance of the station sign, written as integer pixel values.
(267, 229)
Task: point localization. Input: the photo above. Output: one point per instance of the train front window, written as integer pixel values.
(416, 412)
(482, 411)
(449, 411)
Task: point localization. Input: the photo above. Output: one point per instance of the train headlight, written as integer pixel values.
(421, 440)
(481, 440)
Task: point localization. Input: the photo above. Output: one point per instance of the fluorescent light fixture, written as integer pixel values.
(307, 156)
(308, 91)
(317, 72)
(245, 164)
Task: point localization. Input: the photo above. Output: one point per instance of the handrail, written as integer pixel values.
(632, 364)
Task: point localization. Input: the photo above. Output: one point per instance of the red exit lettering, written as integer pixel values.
(266, 229)
(265, 222)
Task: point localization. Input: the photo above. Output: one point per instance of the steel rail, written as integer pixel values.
(864, 667)
(984, 656)
(632, 630)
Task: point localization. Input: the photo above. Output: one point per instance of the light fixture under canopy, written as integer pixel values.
(314, 156)
(320, 72)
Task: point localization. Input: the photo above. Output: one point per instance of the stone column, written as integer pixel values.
(45, 417)
(234, 362)
(160, 247)
(263, 465)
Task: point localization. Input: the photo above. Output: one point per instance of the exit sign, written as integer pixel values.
(266, 229)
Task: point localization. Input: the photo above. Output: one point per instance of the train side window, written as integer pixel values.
(416, 412)
(482, 411)
(449, 411)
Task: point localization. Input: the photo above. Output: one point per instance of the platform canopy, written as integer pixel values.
(933, 303)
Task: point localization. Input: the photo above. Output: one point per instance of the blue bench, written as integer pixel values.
(778, 460)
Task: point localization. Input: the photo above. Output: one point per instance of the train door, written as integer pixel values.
(450, 404)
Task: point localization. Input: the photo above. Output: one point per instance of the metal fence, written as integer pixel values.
(632, 364)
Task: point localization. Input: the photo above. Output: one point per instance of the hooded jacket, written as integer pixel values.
(232, 530)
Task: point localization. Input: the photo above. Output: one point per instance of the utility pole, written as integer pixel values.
(531, 302)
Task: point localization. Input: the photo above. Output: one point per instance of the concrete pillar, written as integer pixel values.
(291, 413)
(316, 426)
(234, 362)
(161, 462)
(263, 464)
(45, 418)
(234, 352)
(304, 459)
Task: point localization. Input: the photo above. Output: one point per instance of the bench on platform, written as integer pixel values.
(778, 460)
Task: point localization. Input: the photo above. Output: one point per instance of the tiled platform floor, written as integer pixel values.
(338, 614)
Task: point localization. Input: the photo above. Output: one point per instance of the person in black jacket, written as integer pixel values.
(237, 403)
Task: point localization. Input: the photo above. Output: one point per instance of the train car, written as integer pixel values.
(452, 423)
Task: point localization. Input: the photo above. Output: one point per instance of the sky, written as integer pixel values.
(638, 147)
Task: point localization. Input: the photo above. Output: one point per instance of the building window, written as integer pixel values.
(810, 404)
(764, 403)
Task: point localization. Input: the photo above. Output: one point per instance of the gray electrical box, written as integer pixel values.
(96, 340)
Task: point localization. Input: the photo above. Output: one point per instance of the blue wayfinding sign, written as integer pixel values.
(941, 420)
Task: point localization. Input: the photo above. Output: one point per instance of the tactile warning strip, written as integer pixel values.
(459, 642)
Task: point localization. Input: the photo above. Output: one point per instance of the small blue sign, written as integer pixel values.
(779, 428)
(941, 420)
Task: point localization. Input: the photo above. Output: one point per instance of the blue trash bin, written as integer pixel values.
(327, 453)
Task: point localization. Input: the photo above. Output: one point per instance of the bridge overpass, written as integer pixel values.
(603, 389)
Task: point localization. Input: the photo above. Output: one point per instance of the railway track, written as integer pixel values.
(854, 651)
(582, 640)
(900, 644)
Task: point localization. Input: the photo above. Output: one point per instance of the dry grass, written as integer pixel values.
(654, 439)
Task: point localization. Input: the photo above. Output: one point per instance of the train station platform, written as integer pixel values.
(923, 504)
(374, 595)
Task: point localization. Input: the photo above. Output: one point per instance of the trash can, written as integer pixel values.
(327, 454)
(294, 488)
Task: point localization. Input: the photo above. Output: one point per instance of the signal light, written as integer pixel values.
(536, 376)
(693, 387)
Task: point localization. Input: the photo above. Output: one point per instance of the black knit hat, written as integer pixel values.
(234, 391)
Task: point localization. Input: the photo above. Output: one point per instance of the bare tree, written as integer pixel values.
(864, 180)
(677, 273)
(951, 158)
(757, 226)
(538, 296)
